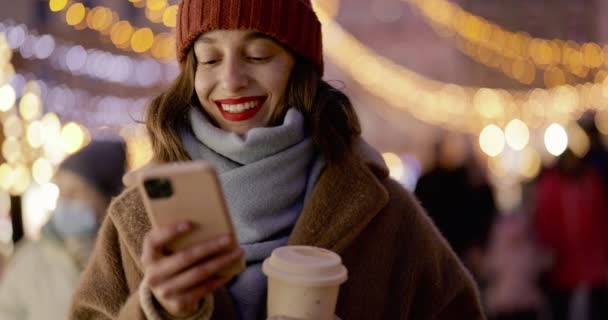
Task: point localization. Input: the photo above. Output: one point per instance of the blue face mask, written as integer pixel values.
(74, 219)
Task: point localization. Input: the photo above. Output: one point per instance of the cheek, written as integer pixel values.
(278, 81)
(202, 85)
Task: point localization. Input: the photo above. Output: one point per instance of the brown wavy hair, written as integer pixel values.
(329, 114)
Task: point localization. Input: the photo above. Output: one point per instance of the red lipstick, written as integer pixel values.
(243, 115)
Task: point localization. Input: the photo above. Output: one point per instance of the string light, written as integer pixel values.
(93, 63)
(516, 54)
(517, 134)
(7, 97)
(492, 140)
(121, 33)
(556, 139)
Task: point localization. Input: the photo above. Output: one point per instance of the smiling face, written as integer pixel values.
(240, 78)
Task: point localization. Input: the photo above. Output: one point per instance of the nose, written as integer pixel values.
(234, 76)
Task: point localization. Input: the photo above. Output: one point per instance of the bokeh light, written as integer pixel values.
(6, 176)
(142, 40)
(30, 106)
(5, 203)
(73, 137)
(57, 5)
(556, 139)
(11, 150)
(7, 97)
(394, 164)
(492, 140)
(170, 16)
(530, 163)
(42, 171)
(578, 140)
(121, 33)
(35, 134)
(517, 134)
(75, 14)
(21, 179)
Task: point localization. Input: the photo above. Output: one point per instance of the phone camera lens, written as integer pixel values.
(158, 188)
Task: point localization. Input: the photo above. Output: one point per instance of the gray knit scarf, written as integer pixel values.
(266, 175)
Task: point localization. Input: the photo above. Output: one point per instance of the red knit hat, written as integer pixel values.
(291, 22)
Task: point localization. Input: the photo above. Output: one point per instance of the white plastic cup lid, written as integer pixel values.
(305, 265)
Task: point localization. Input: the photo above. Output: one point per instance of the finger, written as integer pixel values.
(198, 274)
(181, 260)
(158, 237)
(198, 293)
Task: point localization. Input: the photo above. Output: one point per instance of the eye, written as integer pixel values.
(210, 62)
(258, 59)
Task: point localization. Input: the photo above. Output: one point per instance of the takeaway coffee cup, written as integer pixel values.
(303, 282)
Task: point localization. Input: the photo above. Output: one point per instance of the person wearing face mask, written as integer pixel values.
(251, 100)
(42, 274)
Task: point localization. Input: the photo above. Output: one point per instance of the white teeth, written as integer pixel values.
(236, 108)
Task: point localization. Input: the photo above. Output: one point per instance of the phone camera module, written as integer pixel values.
(158, 188)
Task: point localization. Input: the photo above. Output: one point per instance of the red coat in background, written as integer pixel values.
(571, 219)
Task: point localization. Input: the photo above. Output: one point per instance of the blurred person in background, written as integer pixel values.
(459, 199)
(511, 270)
(597, 156)
(571, 220)
(41, 276)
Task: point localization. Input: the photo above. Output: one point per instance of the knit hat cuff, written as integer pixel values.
(291, 22)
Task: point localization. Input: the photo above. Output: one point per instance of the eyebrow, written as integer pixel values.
(249, 37)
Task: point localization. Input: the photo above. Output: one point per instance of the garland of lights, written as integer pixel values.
(92, 63)
(515, 54)
(121, 33)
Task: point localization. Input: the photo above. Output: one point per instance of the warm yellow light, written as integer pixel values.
(170, 16)
(42, 171)
(593, 55)
(601, 121)
(22, 180)
(578, 140)
(488, 103)
(75, 14)
(13, 126)
(6, 176)
(394, 164)
(155, 16)
(30, 106)
(554, 76)
(142, 40)
(50, 194)
(5, 205)
(7, 97)
(99, 18)
(51, 126)
(492, 140)
(11, 149)
(164, 46)
(530, 163)
(556, 139)
(35, 134)
(326, 9)
(57, 5)
(121, 33)
(517, 134)
(73, 137)
(156, 5)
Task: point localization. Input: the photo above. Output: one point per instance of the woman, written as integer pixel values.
(251, 100)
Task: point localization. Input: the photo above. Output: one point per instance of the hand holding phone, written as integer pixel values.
(180, 281)
(192, 247)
